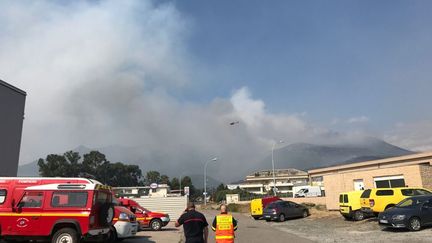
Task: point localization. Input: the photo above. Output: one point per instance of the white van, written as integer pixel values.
(307, 191)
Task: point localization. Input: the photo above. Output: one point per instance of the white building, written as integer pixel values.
(160, 190)
(261, 182)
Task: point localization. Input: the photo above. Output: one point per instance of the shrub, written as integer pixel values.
(309, 205)
(321, 207)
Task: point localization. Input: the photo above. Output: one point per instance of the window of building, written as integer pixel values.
(2, 196)
(358, 185)
(389, 182)
(69, 199)
(382, 184)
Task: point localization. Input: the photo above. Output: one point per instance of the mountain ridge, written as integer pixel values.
(305, 156)
(302, 156)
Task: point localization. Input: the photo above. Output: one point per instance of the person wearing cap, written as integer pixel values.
(195, 225)
(224, 226)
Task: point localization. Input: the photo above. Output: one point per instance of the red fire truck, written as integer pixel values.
(58, 209)
(145, 217)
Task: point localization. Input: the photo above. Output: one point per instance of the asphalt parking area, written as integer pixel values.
(331, 227)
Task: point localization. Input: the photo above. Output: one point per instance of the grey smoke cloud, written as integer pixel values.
(103, 73)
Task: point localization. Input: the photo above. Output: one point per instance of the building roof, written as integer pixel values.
(290, 172)
(3, 83)
(140, 187)
(417, 158)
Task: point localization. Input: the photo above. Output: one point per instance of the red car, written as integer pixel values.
(145, 217)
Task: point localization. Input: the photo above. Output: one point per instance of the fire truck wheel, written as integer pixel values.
(156, 224)
(112, 235)
(65, 235)
(106, 214)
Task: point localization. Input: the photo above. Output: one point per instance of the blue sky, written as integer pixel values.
(330, 59)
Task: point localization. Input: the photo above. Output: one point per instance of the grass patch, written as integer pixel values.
(238, 208)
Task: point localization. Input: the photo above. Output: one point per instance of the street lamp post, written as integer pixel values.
(205, 179)
(180, 185)
(273, 167)
(180, 181)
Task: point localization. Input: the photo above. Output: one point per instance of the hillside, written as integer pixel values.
(301, 156)
(306, 156)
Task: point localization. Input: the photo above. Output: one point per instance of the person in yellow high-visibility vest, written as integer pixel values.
(224, 226)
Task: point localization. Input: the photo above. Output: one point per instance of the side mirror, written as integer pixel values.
(16, 207)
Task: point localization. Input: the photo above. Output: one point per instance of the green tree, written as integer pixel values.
(221, 187)
(54, 165)
(95, 164)
(153, 177)
(164, 179)
(175, 184)
(187, 181)
(73, 159)
(120, 174)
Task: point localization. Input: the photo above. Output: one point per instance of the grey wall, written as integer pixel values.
(12, 101)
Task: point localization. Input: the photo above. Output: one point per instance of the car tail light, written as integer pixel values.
(371, 202)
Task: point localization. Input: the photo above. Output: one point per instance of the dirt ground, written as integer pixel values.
(325, 226)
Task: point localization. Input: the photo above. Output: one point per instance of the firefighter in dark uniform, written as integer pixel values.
(195, 225)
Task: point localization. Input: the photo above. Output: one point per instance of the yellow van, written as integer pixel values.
(374, 201)
(257, 206)
(349, 205)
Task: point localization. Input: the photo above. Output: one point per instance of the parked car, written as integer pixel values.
(54, 209)
(349, 205)
(374, 201)
(257, 206)
(307, 191)
(412, 213)
(145, 217)
(124, 224)
(281, 210)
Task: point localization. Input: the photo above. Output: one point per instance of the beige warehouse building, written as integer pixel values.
(411, 170)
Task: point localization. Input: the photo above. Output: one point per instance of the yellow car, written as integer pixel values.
(257, 206)
(374, 201)
(349, 205)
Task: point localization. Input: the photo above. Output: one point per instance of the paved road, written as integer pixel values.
(249, 230)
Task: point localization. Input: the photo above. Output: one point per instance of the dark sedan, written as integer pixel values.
(412, 213)
(281, 210)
